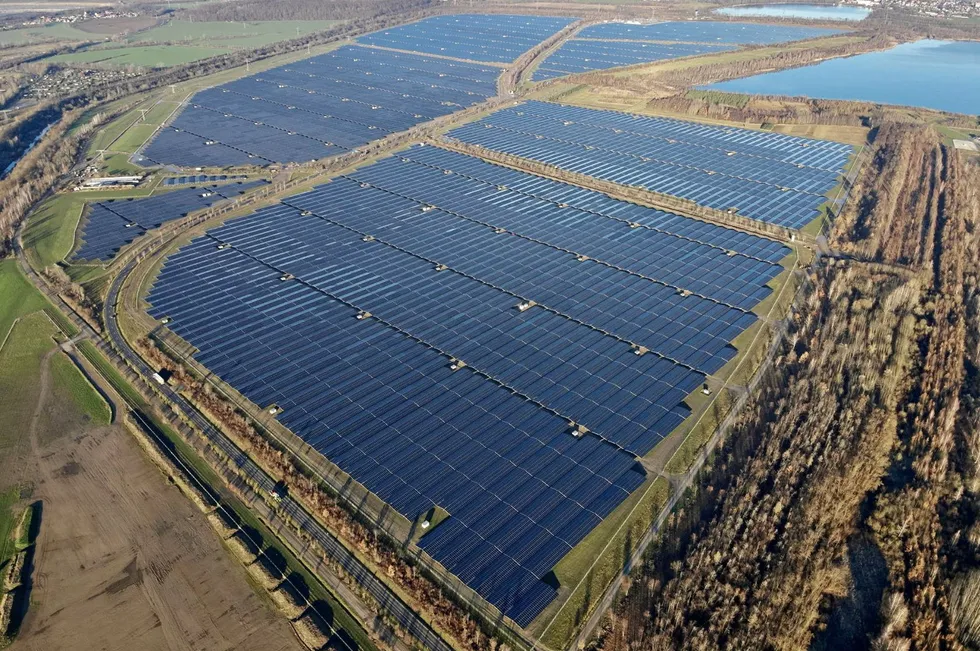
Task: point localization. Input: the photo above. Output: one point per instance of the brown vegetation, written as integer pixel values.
(242, 547)
(37, 171)
(176, 475)
(14, 571)
(6, 610)
(265, 572)
(903, 180)
(309, 631)
(288, 600)
(860, 431)
(222, 523)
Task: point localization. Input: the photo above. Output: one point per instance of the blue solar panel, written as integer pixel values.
(201, 178)
(110, 225)
(318, 107)
(583, 55)
(476, 37)
(771, 177)
(701, 31)
(442, 337)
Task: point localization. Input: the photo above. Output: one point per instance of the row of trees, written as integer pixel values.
(386, 556)
(903, 180)
(758, 110)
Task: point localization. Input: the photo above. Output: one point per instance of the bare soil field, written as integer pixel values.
(124, 561)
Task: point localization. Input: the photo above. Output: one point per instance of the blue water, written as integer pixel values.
(943, 75)
(809, 12)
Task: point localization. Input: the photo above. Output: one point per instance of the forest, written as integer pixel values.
(841, 512)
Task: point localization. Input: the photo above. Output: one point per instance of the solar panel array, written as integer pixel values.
(438, 327)
(703, 31)
(476, 37)
(584, 55)
(767, 176)
(112, 224)
(318, 107)
(201, 178)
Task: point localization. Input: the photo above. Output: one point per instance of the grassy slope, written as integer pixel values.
(8, 523)
(50, 233)
(589, 581)
(68, 382)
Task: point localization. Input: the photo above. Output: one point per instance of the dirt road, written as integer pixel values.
(124, 561)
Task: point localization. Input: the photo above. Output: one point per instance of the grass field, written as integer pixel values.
(71, 384)
(701, 430)
(20, 363)
(150, 56)
(21, 355)
(232, 34)
(50, 233)
(589, 568)
(17, 297)
(56, 32)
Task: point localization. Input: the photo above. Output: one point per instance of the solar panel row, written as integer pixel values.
(200, 178)
(718, 167)
(476, 37)
(391, 412)
(110, 225)
(819, 154)
(712, 272)
(700, 31)
(582, 55)
(440, 338)
(318, 107)
(600, 204)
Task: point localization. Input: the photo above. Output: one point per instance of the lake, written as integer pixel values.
(809, 12)
(943, 75)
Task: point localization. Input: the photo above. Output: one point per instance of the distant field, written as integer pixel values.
(57, 32)
(116, 25)
(17, 297)
(225, 34)
(152, 56)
